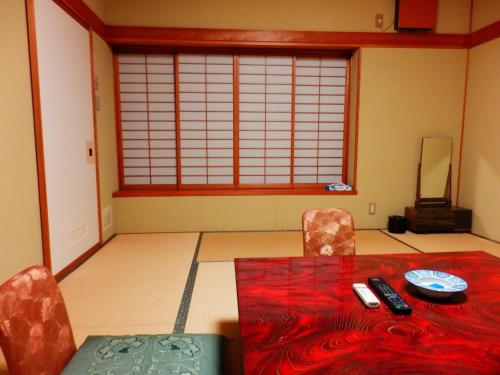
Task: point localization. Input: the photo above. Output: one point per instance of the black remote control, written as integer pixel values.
(390, 297)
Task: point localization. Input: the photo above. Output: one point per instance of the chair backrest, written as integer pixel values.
(328, 231)
(35, 332)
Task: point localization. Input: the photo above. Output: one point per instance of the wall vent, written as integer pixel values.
(107, 217)
(74, 236)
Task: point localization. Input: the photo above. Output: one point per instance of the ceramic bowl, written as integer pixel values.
(435, 284)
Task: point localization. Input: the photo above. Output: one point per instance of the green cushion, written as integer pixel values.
(148, 354)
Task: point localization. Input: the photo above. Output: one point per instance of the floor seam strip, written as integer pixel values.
(182, 314)
(404, 243)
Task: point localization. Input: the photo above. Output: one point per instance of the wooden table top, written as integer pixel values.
(299, 315)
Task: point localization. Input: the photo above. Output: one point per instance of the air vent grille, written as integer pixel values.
(74, 236)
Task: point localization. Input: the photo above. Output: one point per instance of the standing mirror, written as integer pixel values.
(434, 173)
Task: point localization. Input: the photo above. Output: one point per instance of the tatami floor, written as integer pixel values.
(185, 282)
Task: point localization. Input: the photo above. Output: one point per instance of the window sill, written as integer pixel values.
(228, 192)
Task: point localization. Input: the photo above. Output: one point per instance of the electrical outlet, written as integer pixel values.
(372, 208)
(379, 20)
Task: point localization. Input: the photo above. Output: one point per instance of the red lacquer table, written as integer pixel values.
(300, 316)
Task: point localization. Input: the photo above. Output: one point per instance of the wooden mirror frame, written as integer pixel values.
(444, 201)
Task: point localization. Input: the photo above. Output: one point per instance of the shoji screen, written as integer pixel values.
(289, 128)
(147, 102)
(206, 119)
(320, 91)
(265, 86)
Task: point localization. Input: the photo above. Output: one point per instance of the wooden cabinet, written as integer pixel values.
(438, 219)
(416, 15)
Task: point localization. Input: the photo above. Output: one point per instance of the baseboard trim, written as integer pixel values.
(485, 238)
(80, 260)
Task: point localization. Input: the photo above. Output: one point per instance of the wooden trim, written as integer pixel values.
(37, 117)
(108, 240)
(191, 37)
(77, 262)
(84, 15)
(82, 259)
(134, 36)
(292, 121)
(94, 128)
(356, 128)
(148, 120)
(236, 120)
(345, 147)
(229, 192)
(177, 122)
(484, 34)
(118, 121)
(464, 108)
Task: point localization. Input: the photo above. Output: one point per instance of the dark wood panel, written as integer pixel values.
(438, 219)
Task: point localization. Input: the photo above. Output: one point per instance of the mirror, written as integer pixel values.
(434, 175)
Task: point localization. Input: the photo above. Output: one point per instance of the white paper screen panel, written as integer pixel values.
(64, 70)
(265, 123)
(320, 91)
(206, 119)
(147, 105)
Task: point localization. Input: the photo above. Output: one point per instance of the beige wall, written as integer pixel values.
(105, 121)
(480, 180)
(97, 6)
(19, 213)
(485, 12)
(406, 94)
(321, 15)
(453, 16)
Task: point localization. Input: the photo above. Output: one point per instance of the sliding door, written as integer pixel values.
(66, 120)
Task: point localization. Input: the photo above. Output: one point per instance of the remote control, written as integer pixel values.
(390, 297)
(366, 295)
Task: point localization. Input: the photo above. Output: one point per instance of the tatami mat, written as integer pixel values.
(214, 307)
(370, 242)
(439, 242)
(229, 245)
(133, 284)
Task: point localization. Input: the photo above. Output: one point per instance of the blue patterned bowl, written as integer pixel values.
(435, 284)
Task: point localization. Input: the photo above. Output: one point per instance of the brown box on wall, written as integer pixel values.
(416, 15)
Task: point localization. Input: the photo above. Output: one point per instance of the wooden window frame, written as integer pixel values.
(179, 189)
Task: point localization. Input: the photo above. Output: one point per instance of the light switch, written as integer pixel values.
(372, 208)
(90, 152)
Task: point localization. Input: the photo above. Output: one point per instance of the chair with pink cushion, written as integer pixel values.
(35, 333)
(36, 338)
(328, 231)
